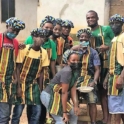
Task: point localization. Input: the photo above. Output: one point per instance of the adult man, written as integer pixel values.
(102, 36)
(66, 29)
(30, 64)
(116, 70)
(90, 70)
(8, 54)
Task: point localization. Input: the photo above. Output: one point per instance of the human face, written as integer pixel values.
(83, 37)
(38, 40)
(48, 26)
(11, 32)
(66, 30)
(74, 58)
(57, 31)
(92, 19)
(116, 26)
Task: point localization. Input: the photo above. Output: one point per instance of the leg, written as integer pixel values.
(109, 119)
(104, 104)
(118, 119)
(5, 111)
(103, 94)
(72, 117)
(92, 112)
(45, 98)
(122, 117)
(17, 112)
(43, 114)
(29, 112)
(92, 100)
(35, 116)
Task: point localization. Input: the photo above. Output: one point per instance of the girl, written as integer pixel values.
(56, 37)
(55, 95)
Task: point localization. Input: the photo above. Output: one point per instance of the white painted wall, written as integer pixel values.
(25, 10)
(74, 10)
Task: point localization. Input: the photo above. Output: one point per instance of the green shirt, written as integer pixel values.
(48, 44)
(107, 34)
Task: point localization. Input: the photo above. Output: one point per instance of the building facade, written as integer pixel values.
(33, 11)
(25, 10)
(76, 10)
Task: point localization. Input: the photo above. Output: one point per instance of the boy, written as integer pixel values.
(30, 64)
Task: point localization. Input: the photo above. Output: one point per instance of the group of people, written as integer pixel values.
(28, 74)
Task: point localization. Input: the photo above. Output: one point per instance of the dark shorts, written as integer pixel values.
(90, 97)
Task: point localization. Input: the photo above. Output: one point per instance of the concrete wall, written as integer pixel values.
(74, 10)
(25, 10)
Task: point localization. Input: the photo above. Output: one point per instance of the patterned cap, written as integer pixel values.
(116, 17)
(67, 23)
(39, 32)
(48, 19)
(15, 23)
(85, 30)
(59, 21)
(66, 55)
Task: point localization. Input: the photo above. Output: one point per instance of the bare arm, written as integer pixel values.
(76, 47)
(64, 96)
(53, 67)
(74, 99)
(19, 89)
(96, 76)
(40, 81)
(74, 96)
(18, 66)
(120, 80)
(65, 88)
(122, 73)
(97, 73)
(104, 48)
(15, 76)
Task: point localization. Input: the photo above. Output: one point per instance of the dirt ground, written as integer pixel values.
(83, 109)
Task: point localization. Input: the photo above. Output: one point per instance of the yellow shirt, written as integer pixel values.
(120, 48)
(33, 54)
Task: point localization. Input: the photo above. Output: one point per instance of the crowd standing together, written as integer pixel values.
(46, 71)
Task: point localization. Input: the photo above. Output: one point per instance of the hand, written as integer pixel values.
(76, 110)
(67, 45)
(103, 48)
(92, 84)
(22, 46)
(14, 81)
(105, 84)
(19, 92)
(119, 83)
(65, 117)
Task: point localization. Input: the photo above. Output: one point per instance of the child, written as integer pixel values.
(30, 64)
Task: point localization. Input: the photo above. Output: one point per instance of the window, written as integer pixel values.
(7, 9)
